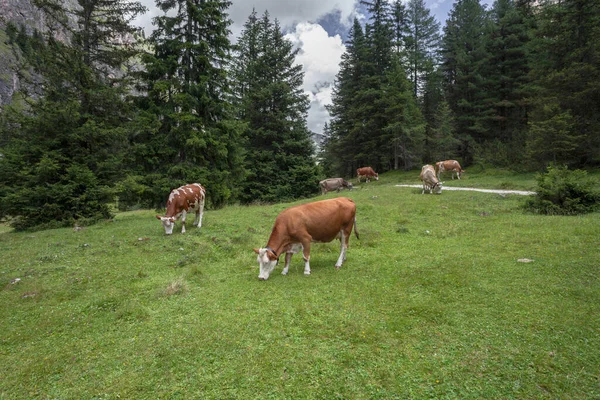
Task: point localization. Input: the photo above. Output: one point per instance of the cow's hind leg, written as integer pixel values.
(288, 259)
(306, 256)
(199, 214)
(343, 247)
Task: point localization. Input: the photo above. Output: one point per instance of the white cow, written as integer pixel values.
(430, 181)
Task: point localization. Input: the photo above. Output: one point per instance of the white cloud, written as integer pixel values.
(320, 56)
(291, 12)
(288, 12)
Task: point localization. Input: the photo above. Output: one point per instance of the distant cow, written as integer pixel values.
(448, 165)
(368, 173)
(181, 201)
(430, 182)
(296, 227)
(330, 184)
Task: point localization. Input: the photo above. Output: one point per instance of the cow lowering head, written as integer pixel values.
(168, 223)
(437, 188)
(347, 184)
(267, 260)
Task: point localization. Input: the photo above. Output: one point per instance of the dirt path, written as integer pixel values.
(520, 192)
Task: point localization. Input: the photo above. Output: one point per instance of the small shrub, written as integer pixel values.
(564, 192)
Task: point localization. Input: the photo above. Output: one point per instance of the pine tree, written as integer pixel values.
(347, 117)
(506, 92)
(566, 74)
(280, 159)
(405, 126)
(464, 55)
(64, 153)
(187, 87)
(422, 43)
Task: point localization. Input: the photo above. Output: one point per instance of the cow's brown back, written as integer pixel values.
(321, 219)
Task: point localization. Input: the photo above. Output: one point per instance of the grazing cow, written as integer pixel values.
(368, 173)
(430, 182)
(296, 227)
(182, 200)
(330, 184)
(448, 165)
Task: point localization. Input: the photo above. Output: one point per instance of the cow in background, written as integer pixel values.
(296, 227)
(430, 182)
(448, 165)
(327, 185)
(182, 200)
(367, 172)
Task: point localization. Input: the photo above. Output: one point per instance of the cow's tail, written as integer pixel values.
(355, 231)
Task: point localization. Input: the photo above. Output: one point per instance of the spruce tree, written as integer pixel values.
(566, 75)
(187, 87)
(280, 158)
(347, 116)
(506, 92)
(463, 57)
(64, 150)
(422, 43)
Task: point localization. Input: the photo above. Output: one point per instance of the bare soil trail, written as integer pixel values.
(497, 191)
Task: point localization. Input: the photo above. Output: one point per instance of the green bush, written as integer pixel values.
(564, 192)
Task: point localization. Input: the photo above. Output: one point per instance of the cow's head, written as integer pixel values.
(437, 188)
(347, 184)
(376, 176)
(168, 223)
(266, 262)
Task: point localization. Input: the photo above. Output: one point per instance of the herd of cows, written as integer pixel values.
(296, 227)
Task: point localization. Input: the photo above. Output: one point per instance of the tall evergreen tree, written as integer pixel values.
(187, 86)
(65, 150)
(566, 72)
(422, 43)
(405, 126)
(506, 92)
(347, 125)
(280, 159)
(439, 141)
(464, 54)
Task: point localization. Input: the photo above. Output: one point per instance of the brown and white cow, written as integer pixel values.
(327, 185)
(448, 165)
(430, 181)
(296, 227)
(367, 172)
(182, 200)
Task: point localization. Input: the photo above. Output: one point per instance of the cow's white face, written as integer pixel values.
(265, 264)
(168, 223)
(438, 188)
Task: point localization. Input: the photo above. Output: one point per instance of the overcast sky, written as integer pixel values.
(317, 27)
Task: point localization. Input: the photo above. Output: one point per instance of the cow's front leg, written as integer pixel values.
(288, 259)
(183, 214)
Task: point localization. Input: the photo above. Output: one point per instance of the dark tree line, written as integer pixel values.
(514, 86)
(106, 114)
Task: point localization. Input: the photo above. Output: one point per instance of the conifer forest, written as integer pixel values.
(106, 115)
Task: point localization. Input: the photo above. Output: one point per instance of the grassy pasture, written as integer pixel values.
(431, 303)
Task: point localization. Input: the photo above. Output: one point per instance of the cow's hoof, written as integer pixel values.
(306, 273)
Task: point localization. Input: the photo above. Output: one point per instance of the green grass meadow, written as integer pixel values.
(432, 302)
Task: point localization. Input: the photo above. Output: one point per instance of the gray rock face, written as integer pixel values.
(20, 13)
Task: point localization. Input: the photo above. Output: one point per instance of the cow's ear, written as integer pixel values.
(272, 256)
(257, 251)
(158, 217)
